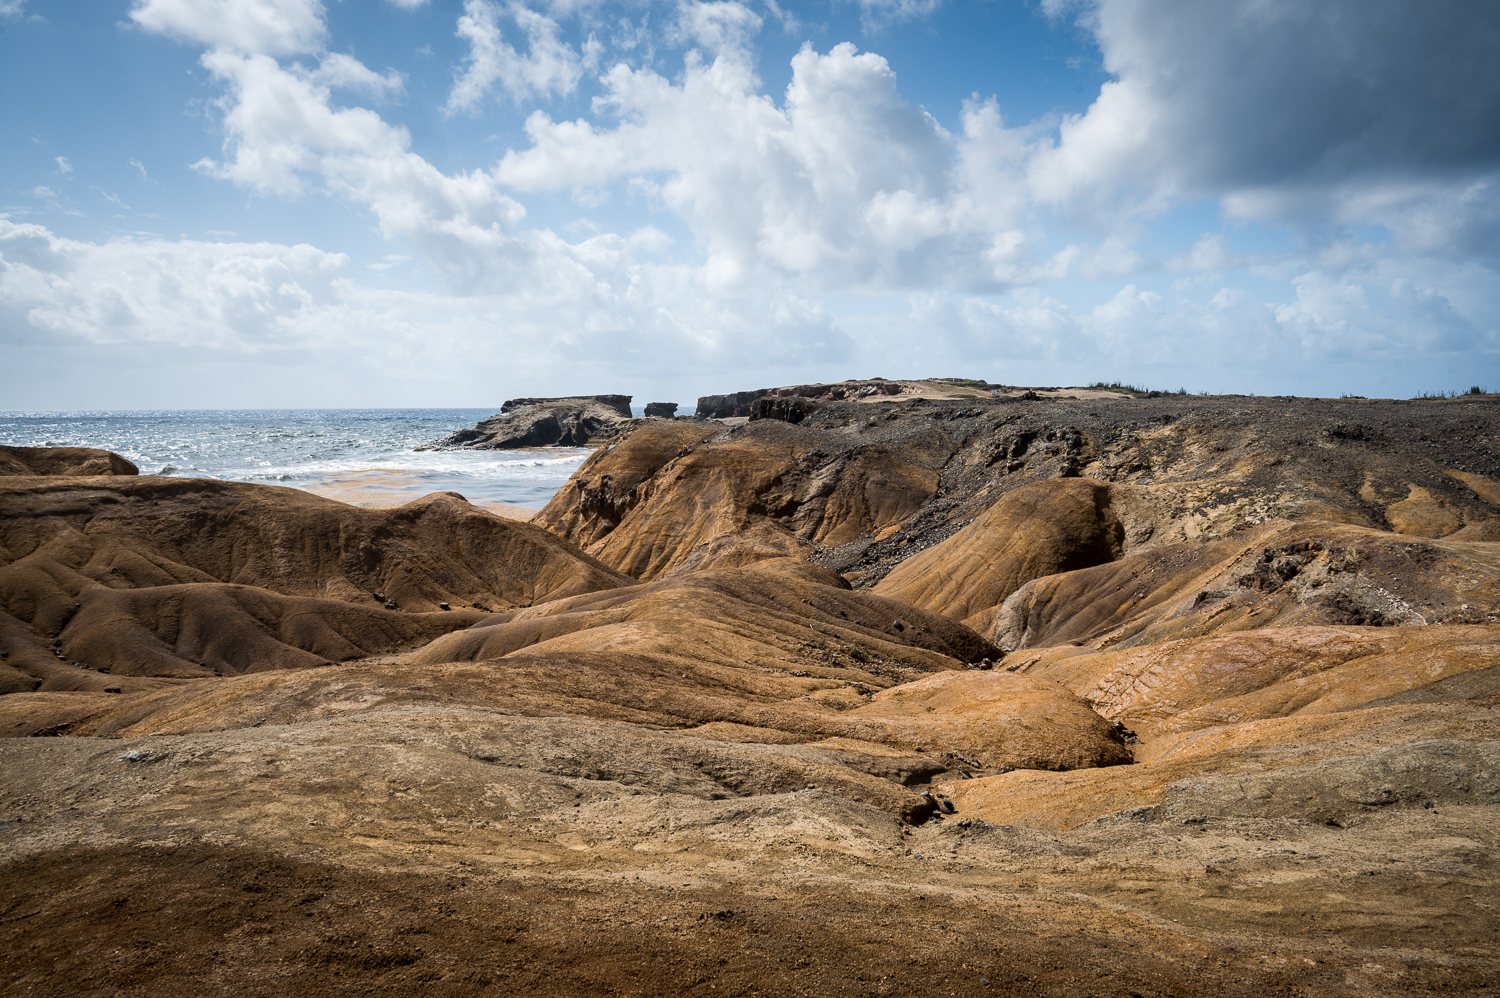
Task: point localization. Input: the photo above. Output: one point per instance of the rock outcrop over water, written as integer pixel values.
(564, 422)
(1053, 691)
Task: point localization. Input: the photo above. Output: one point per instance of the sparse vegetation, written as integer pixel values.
(857, 653)
(1118, 386)
(1474, 390)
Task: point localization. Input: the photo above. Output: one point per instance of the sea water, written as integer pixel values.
(361, 456)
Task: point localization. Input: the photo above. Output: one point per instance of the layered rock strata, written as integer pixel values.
(860, 487)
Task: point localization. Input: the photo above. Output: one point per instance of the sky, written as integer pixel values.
(351, 203)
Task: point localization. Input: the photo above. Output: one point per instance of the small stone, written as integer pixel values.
(390, 604)
(114, 689)
(442, 606)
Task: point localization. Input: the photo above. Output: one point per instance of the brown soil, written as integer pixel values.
(1101, 696)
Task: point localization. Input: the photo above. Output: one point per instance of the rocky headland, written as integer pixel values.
(576, 421)
(945, 687)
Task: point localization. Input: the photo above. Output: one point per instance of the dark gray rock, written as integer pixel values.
(788, 409)
(743, 403)
(666, 410)
(619, 403)
(565, 422)
(729, 406)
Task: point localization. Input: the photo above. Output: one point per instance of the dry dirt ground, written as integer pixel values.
(1074, 697)
(218, 866)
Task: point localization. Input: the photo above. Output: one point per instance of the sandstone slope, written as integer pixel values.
(862, 486)
(754, 733)
(142, 576)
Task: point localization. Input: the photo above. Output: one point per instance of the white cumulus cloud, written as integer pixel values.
(845, 185)
(232, 296)
(272, 27)
(549, 65)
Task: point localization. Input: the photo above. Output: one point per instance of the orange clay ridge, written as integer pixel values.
(913, 691)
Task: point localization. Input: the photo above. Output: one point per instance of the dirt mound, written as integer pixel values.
(63, 461)
(1315, 723)
(1039, 529)
(775, 652)
(1308, 573)
(1334, 768)
(176, 577)
(1181, 686)
(609, 484)
(765, 490)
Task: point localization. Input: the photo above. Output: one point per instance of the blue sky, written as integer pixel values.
(452, 202)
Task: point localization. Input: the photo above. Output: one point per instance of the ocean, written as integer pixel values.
(362, 456)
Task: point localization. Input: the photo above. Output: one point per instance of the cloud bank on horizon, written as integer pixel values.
(1255, 195)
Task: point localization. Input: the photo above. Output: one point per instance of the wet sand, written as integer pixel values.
(383, 488)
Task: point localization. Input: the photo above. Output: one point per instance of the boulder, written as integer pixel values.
(666, 410)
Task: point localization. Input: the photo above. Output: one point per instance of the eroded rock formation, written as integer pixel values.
(1178, 695)
(562, 422)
